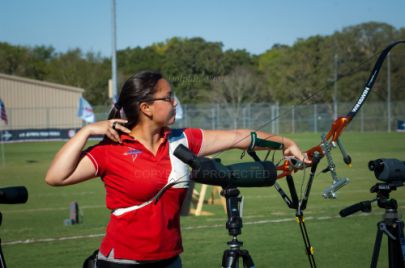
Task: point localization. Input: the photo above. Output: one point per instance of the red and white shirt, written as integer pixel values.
(139, 229)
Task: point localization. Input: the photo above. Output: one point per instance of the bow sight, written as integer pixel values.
(330, 192)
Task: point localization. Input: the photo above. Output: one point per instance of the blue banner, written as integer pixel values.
(401, 125)
(48, 134)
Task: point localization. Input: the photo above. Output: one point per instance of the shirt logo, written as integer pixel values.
(133, 153)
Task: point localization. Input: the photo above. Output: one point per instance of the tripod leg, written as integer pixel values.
(401, 241)
(247, 259)
(396, 247)
(377, 245)
(230, 259)
(308, 248)
(2, 261)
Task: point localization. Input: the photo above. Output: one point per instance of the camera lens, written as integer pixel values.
(377, 166)
(371, 165)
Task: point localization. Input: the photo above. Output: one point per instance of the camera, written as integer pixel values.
(388, 170)
(13, 195)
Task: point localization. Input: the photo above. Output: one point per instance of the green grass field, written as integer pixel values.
(33, 234)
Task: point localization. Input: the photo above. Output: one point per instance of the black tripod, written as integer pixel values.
(2, 261)
(391, 225)
(234, 225)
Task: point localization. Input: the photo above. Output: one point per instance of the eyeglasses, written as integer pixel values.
(171, 98)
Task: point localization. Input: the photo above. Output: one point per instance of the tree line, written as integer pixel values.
(200, 71)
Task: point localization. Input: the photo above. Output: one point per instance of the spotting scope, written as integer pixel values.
(388, 170)
(211, 171)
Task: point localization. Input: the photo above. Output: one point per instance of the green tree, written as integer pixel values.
(25, 61)
(357, 48)
(190, 64)
(305, 71)
(133, 60)
(90, 72)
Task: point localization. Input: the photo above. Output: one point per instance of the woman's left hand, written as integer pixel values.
(294, 151)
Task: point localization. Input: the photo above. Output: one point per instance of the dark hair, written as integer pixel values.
(138, 88)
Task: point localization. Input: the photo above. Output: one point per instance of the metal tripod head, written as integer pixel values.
(234, 226)
(383, 191)
(383, 199)
(234, 222)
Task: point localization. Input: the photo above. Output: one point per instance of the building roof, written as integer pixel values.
(40, 83)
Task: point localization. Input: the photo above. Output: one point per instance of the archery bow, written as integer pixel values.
(315, 154)
(332, 137)
(328, 141)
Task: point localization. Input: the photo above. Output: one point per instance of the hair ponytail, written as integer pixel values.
(138, 88)
(115, 112)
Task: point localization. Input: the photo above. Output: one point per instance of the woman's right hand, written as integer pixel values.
(68, 166)
(109, 128)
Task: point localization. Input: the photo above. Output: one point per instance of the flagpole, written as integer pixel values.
(114, 53)
(3, 118)
(3, 158)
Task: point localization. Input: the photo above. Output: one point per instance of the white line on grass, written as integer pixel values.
(32, 241)
(63, 194)
(271, 195)
(51, 209)
(42, 240)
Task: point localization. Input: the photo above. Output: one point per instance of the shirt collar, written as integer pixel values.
(127, 138)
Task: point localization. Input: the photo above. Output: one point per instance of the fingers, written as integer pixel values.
(122, 121)
(114, 128)
(118, 127)
(295, 152)
(303, 158)
(113, 135)
(114, 124)
(306, 159)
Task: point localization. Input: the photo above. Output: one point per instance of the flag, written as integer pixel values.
(3, 114)
(179, 109)
(85, 111)
(401, 126)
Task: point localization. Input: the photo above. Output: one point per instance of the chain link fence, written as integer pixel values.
(269, 117)
(275, 118)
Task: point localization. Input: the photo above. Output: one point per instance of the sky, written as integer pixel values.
(239, 24)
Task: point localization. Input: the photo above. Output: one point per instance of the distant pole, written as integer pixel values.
(389, 91)
(114, 54)
(3, 158)
(335, 112)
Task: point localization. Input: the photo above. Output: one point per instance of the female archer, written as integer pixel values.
(135, 161)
